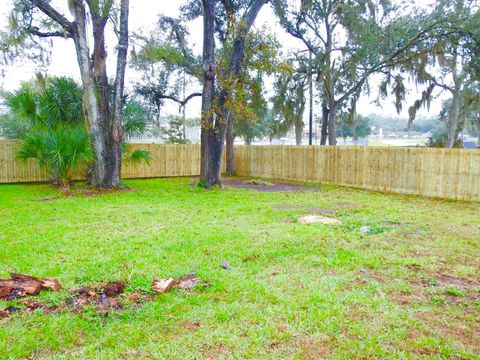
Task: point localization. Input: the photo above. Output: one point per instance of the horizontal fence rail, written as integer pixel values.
(447, 173)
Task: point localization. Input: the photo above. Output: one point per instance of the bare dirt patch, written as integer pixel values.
(250, 258)
(463, 331)
(315, 348)
(93, 192)
(395, 224)
(102, 302)
(216, 351)
(190, 325)
(274, 187)
(47, 198)
(452, 280)
(369, 274)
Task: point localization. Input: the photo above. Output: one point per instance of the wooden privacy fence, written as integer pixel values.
(167, 160)
(448, 173)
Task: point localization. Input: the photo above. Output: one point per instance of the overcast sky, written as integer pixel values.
(143, 16)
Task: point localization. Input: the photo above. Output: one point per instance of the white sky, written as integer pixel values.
(143, 16)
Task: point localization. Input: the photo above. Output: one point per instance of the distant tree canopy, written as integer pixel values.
(398, 124)
(356, 128)
(172, 131)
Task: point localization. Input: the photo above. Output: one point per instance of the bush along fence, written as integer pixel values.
(446, 173)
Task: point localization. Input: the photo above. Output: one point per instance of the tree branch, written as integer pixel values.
(440, 85)
(173, 98)
(388, 62)
(36, 32)
(236, 58)
(53, 14)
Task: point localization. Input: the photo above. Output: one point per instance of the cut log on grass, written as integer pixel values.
(21, 285)
(45, 283)
(5, 290)
(29, 287)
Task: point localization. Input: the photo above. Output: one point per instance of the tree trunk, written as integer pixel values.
(230, 170)
(332, 118)
(310, 110)
(298, 133)
(102, 88)
(209, 175)
(454, 112)
(453, 120)
(324, 136)
(478, 133)
(234, 67)
(117, 131)
(97, 134)
(213, 128)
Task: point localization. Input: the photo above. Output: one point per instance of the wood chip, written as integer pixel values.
(33, 304)
(51, 284)
(162, 285)
(188, 282)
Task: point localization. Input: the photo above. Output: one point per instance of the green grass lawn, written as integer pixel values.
(409, 288)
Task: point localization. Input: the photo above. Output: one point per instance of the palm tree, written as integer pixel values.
(47, 115)
(53, 130)
(46, 102)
